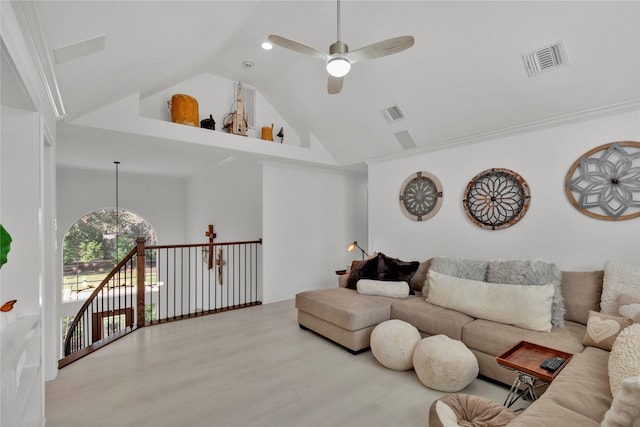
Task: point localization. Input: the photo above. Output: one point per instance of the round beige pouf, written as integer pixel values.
(444, 364)
(392, 344)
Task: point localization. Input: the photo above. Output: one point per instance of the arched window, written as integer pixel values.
(94, 244)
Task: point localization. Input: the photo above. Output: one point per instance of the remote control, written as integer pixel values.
(552, 363)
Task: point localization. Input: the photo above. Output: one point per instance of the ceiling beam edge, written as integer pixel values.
(513, 130)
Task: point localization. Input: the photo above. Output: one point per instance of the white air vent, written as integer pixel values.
(405, 139)
(394, 113)
(546, 58)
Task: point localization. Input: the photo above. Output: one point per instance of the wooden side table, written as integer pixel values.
(525, 358)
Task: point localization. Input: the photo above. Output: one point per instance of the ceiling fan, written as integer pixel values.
(339, 59)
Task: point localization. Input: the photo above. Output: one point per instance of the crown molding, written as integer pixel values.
(29, 20)
(513, 130)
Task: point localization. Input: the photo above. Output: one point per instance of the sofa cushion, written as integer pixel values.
(531, 273)
(582, 386)
(495, 338)
(581, 290)
(602, 329)
(345, 307)
(494, 301)
(544, 412)
(430, 319)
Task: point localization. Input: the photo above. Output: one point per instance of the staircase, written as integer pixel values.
(163, 283)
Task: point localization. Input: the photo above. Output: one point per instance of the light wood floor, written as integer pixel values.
(250, 367)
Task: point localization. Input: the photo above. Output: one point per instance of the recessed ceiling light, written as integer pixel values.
(266, 46)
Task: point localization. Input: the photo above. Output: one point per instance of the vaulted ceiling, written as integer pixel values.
(463, 78)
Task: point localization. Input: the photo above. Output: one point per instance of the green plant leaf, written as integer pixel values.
(5, 245)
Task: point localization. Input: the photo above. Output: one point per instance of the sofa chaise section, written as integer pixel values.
(342, 315)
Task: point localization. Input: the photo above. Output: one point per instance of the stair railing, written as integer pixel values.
(163, 283)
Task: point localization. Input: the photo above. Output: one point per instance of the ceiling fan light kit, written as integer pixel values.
(339, 60)
(338, 67)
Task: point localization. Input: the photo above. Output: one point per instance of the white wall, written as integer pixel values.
(229, 196)
(20, 277)
(159, 200)
(309, 216)
(27, 175)
(552, 229)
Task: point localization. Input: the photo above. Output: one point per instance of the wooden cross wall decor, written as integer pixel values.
(211, 235)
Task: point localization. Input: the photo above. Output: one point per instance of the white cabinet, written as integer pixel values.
(21, 377)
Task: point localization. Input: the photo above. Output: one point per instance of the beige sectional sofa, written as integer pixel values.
(580, 394)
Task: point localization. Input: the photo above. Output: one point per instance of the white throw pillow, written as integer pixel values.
(619, 278)
(527, 307)
(383, 288)
(624, 360)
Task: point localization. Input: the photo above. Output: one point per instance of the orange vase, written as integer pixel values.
(184, 110)
(267, 133)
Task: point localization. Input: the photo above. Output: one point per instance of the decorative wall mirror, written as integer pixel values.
(604, 183)
(496, 199)
(421, 196)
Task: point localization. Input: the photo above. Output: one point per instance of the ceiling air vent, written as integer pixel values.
(393, 113)
(405, 139)
(546, 58)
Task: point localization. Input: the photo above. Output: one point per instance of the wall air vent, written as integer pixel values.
(546, 58)
(393, 113)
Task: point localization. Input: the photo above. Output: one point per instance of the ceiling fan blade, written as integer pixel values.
(334, 85)
(296, 46)
(380, 49)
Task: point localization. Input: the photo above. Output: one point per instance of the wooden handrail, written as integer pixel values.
(89, 300)
(195, 245)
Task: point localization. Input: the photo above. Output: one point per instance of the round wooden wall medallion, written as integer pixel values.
(496, 199)
(604, 183)
(421, 196)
